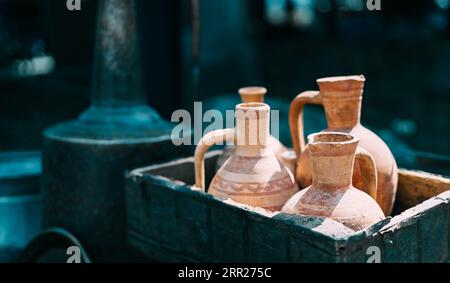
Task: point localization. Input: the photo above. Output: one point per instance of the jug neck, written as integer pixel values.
(117, 80)
(332, 158)
(332, 175)
(252, 129)
(341, 98)
(343, 112)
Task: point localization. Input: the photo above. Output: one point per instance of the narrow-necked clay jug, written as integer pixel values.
(332, 194)
(341, 98)
(252, 175)
(254, 94)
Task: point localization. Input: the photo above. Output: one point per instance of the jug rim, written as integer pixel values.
(359, 78)
(346, 138)
(252, 90)
(256, 106)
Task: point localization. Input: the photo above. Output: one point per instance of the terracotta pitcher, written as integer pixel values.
(252, 175)
(254, 94)
(332, 194)
(341, 98)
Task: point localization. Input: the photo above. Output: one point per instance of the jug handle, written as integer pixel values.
(208, 140)
(296, 119)
(369, 170)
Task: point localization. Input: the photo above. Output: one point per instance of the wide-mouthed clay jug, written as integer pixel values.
(341, 98)
(252, 175)
(254, 94)
(332, 194)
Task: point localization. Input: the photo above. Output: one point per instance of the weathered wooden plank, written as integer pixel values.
(302, 252)
(136, 218)
(362, 251)
(323, 235)
(230, 236)
(162, 215)
(267, 242)
(358, 247)
(401, 245)
(433, 231)
(180, 171)
(415, 187)
(446, 196)
(228, 247)
(400, 238)
(193, 226)
(154, 251)
(419, 234)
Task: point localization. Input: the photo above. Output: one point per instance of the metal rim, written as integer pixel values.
(51, 238)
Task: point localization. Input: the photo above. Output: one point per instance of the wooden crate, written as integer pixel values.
(171, 222)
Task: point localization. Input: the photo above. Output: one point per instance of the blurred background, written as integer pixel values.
(204, 50)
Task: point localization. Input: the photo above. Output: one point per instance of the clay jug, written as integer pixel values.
(341, 98)
(254, 94)
(332, 194)
(252, 175)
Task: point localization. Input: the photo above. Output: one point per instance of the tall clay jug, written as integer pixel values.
(332, 194)
(255, 94)
(252, 175)
(341, 98)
